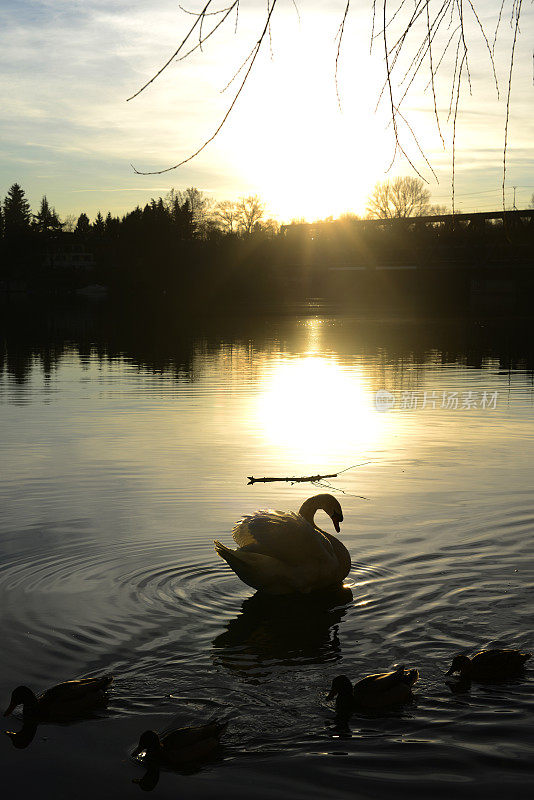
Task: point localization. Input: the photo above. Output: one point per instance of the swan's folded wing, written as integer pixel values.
(287, 537)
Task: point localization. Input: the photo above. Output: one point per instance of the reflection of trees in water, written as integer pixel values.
(274, 631)
(166, 341)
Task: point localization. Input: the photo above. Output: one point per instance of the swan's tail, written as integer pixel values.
(221, 549)
(236, 563)
(247, 566)
(259, 570)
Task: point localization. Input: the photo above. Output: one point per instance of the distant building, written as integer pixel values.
(69, 256)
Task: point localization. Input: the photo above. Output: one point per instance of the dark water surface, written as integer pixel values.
(125, 447)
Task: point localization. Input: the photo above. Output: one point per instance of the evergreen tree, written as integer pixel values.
(108, 224)
(46, 221)
(111, 226)
(182, 218)
(83, 225)
(98, 225)
(189, 210)
(17, 212)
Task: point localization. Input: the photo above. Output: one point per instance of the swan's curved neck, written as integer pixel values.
(309, 508)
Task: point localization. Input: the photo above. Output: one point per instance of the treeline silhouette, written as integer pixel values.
(174, 248)
(170, 246)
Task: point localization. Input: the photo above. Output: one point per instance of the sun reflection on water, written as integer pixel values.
(316, 409)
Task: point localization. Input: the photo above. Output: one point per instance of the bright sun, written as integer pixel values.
(307, 158)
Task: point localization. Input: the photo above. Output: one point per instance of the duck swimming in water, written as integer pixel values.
(375, 691)
(489, 665)
(284, 553)
(181, 746)
(65, 701)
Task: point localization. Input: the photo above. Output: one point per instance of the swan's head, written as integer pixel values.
(328, 503)
(331, 505)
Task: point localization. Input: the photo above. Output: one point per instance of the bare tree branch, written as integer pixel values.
(178, 50)
(207, 36)
(228, 112)
(416, 39)
(339, 37)
(517, 7)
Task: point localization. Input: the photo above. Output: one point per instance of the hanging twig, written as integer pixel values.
(409, 33)
(429, 34)
(516, 28)
(204, 39)
(339, 36)
(256, 50)
(453, 182)
(176, 52)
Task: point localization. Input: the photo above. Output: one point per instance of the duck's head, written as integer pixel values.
(460, 663)
(21, 695)
(148, 743)
(342, 687)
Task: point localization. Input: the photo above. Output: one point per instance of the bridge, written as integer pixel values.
(476, 220)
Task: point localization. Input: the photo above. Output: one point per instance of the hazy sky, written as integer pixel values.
(67, 130)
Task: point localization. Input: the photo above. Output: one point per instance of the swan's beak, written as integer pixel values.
(336, 519)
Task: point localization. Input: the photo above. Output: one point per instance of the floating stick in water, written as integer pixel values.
(305, 479)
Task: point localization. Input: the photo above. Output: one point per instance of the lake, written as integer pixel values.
(127, 439)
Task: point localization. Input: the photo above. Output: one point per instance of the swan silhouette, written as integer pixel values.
(285, 553)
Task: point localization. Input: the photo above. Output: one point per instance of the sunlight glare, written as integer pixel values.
(317, 410)
(308, 158)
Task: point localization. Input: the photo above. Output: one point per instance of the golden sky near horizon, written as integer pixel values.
(69, 132)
